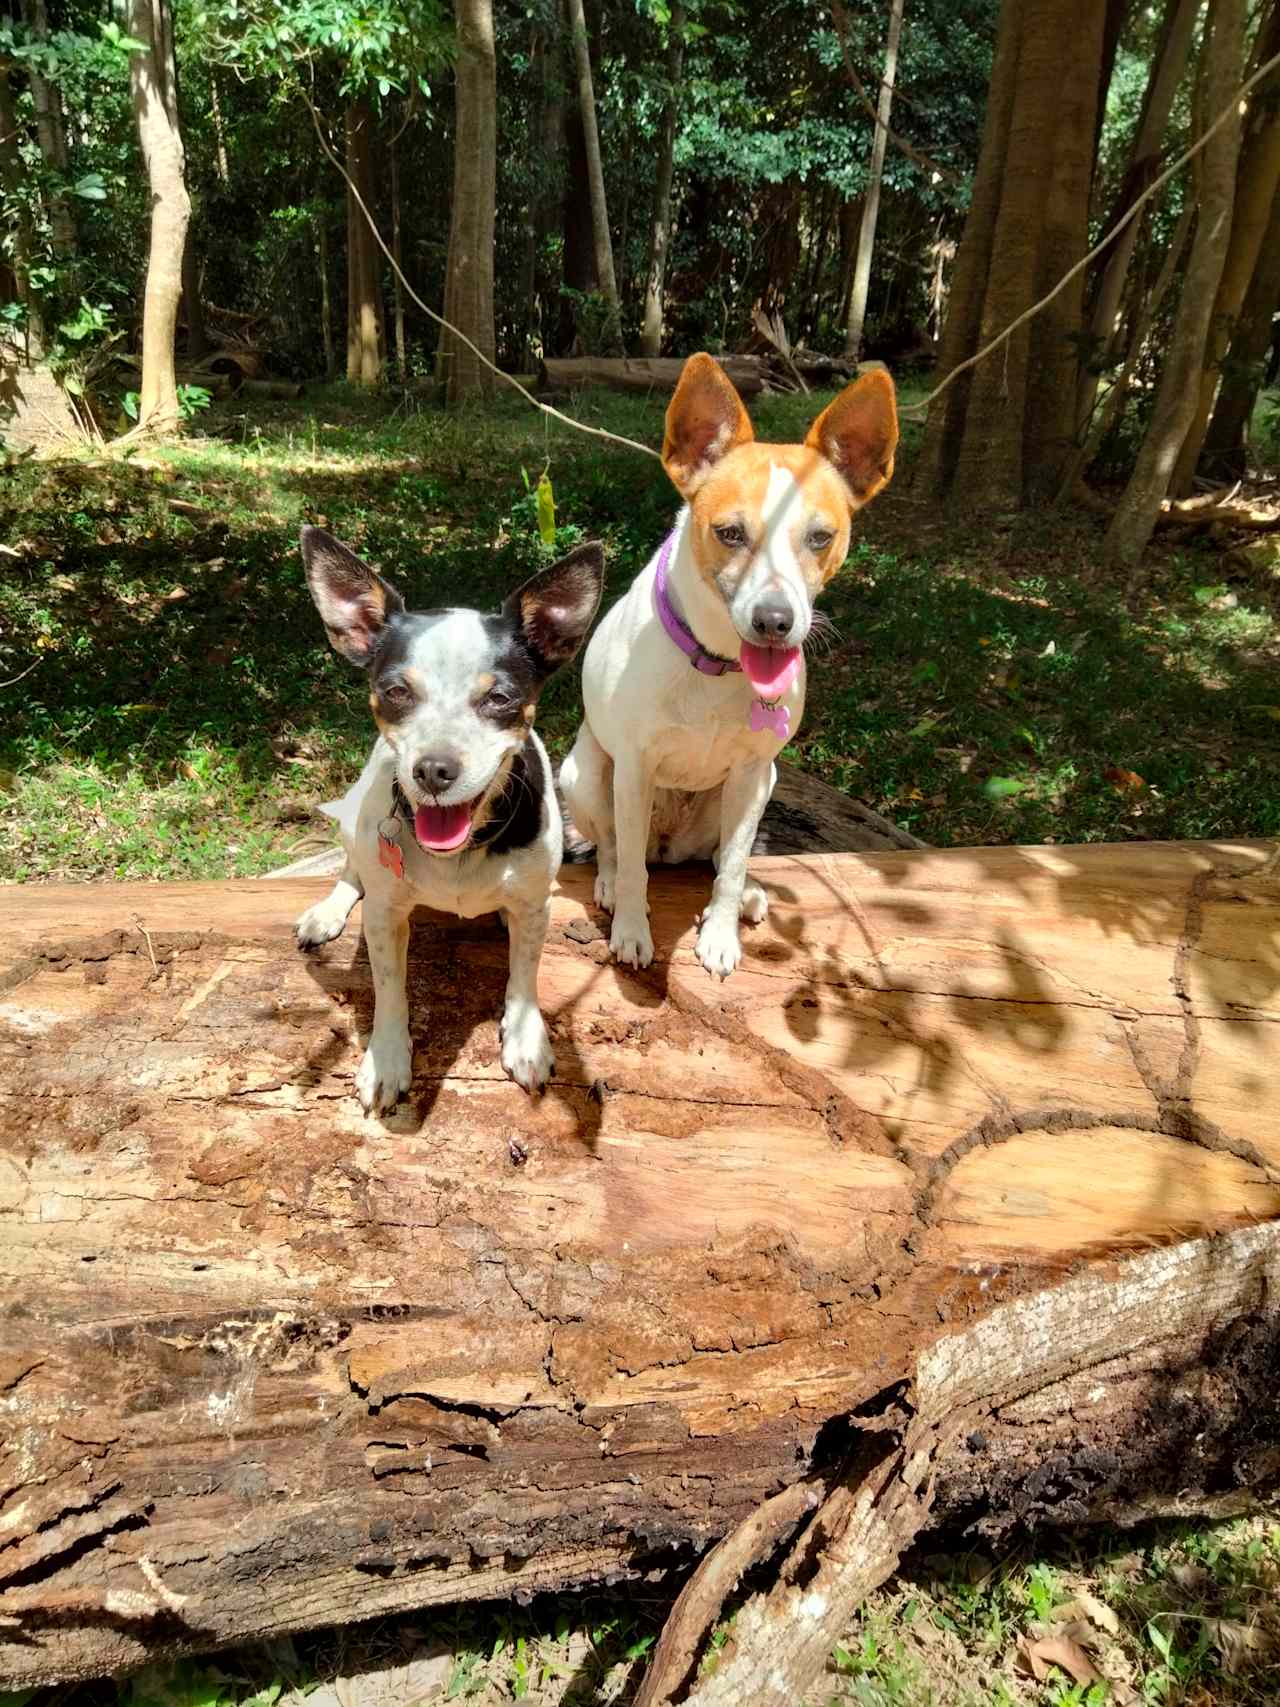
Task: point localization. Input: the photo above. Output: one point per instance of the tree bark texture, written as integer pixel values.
(1018, 421)
(660, 240)
(638, 373)
(153, 82)
(1242, 374)
(1177, 396)
(1167, 71)
(871, 200)
(1257, 182)
(468, 295)
(935, 468)
(603, 243)
(903, 1206)
(397, 289)
(366, 332)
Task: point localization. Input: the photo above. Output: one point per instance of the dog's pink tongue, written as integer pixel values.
(770, 669)
(441, 829)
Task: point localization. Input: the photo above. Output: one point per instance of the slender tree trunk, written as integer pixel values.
(326, 306)
(155, 104)
(1144, 160)
(11, 176)
(1257, 181)
(402, 351)
(1242, 375)
(197, 338)
(219, 130)
(944, 430)
(468, 297)
(595, 173)
(52, 137)
(659, 243)
(1176, 396)
(365, 332)
(871, 203)
(1141, 322)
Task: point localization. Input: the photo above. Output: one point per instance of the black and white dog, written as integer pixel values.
(455, 808)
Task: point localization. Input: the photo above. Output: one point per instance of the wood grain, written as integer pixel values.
(265, 1365)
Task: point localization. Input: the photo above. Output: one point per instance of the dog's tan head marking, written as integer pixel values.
(769, 523)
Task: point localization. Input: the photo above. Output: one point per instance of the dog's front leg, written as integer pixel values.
(632, 810)
(526, 1048)
(386, 1072)
(743, 799)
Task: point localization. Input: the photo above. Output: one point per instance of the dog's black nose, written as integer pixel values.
(772, 619)
(435, 772)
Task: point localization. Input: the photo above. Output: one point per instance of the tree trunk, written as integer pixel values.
(1007, 437)
(935, 469)
(1257, 182)
(326, 307)
(595, 174)
(197, 338)
(915, 1182)
(1242, 374)
(153, 81)
(1144, 163)
(656, 374)
(51, 134)
(1176, 395)
(871, 201)
(402, 351)
(366, 335)
(468, 299)
(12, 173)
(651, 334)
(219, 129)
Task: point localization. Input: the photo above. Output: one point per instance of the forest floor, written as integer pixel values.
(171, 709)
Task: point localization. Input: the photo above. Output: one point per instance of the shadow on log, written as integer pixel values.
(954, 1203)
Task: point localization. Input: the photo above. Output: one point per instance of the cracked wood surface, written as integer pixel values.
(265, 1365)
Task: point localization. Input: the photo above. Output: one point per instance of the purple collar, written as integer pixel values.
(710, 663)
(768, 714)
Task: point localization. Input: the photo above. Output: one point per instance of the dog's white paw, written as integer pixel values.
(604, 891)
(526, 1048)
(630, 942)
(386, 1073)
(320, 924)
(719, 949)
(755, 903)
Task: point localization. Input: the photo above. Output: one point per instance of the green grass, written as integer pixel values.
(179, 714)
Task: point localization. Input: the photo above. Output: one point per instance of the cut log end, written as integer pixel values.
(955, 1203)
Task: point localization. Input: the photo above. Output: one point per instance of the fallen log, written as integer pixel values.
(956, 1203)
(645, 373)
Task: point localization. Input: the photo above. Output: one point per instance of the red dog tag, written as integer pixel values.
(391, 854)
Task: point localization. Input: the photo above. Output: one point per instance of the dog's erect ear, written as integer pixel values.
(354, 603)
(858, 434)
(705, 421)
(555, 608)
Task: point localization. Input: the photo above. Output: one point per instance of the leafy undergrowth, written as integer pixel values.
(1175, 1616)
(171, 708)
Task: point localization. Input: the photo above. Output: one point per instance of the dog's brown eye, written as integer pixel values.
(397, 695)
(820, 539)
(497, 699)
(730, 535)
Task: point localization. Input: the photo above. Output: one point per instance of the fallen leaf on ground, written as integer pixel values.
(1191, 1579)
(1039, 1653)
(1125, 782)
(1098, 1612)
(1240, 1645)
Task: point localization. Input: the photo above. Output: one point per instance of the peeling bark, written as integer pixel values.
(840, 1231)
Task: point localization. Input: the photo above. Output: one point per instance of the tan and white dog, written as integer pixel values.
(695, 679)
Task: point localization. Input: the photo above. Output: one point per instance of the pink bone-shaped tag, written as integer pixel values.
(775, 717)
